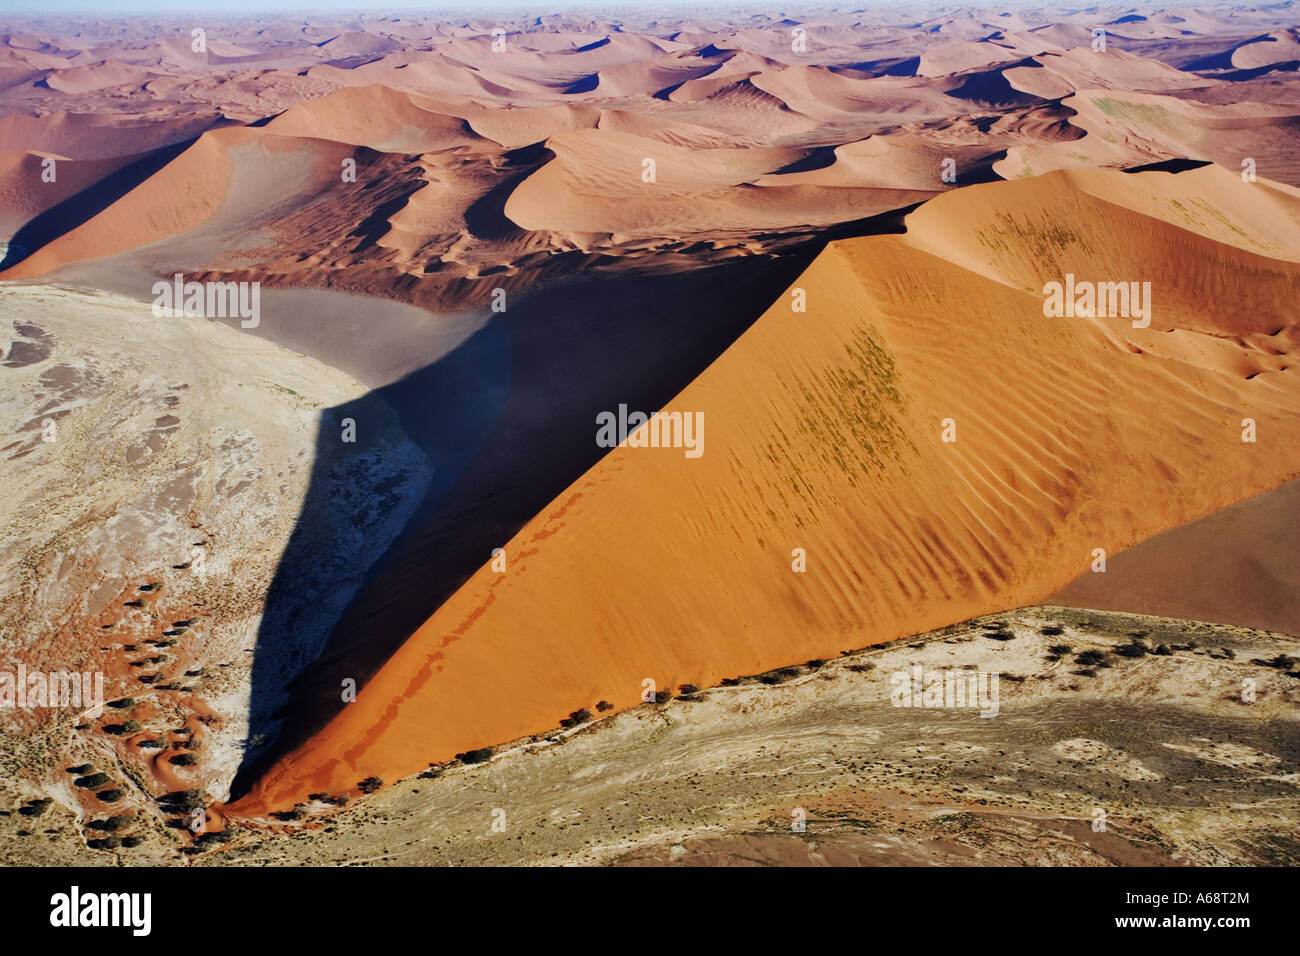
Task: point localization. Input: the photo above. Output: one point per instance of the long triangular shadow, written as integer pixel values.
(508, 420)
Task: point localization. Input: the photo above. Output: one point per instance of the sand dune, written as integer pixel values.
(844, 459)
(642, 188)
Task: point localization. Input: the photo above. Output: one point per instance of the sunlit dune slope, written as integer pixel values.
(823, 432)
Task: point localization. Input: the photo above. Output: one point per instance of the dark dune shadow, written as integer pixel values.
(508, 420)
(90, 202)
(1178, 165)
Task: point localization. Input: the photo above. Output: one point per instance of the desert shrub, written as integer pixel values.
(1281, 662)
(475, 756)
(604, 705)
(1000, 636)
(132, 841)
(81, 768)
(370, 785)
(183, 760)
(111, 823)
(122, 703)
(1060, 650)
(182, 801)
(731, 682)
(109, 842)
(1052, 630)
(663, 696)
(689, 689)
(860, 668)
(36, 808)
(1134, 649)
(816, 662)
(1091, 659)
(93, 780)
(110, 796)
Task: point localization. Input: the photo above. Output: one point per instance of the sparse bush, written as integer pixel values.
(604, 705)
(183, 801)
(183, 759)
(689, 689)
(663, 696)
(81, 768)
(1281, 662)
(36, 808)
(110, 796)
(1052, 630)
(122, 703)
(370, 785)
(111, 823)
(93, 780)
(109, 842)
(816, 662)
(475, 756)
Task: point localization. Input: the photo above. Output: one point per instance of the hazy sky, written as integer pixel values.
(310, 8)
(108, 8)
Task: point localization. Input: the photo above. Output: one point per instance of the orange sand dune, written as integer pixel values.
(1129, 129)
(824, 432)
(83, 79)
(1278, 47)
(595, 185)
(272, 173)
(378, 117)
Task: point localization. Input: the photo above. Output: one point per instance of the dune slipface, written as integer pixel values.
(923, 436)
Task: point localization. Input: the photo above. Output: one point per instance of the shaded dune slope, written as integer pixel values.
(1237, 566)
